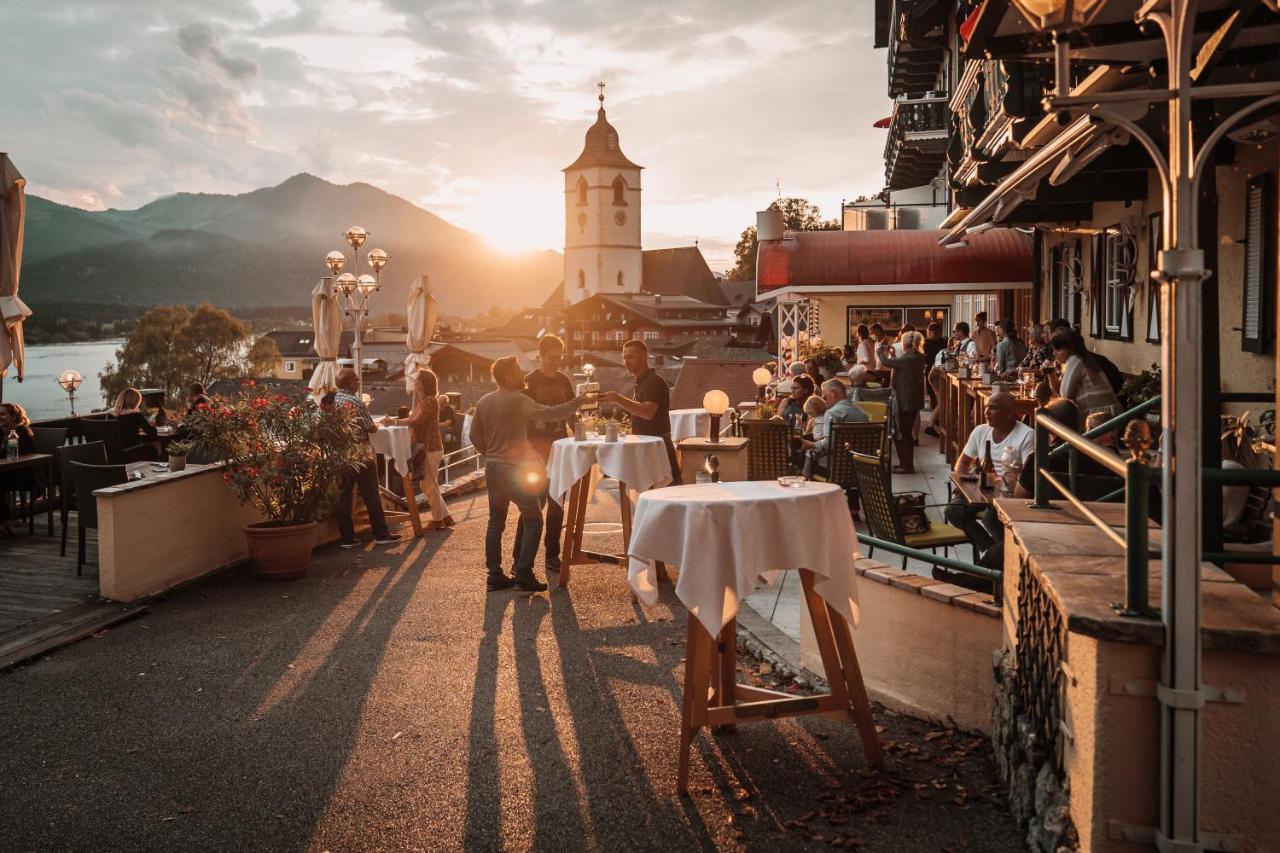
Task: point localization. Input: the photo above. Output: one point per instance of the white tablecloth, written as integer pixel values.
(396, 443)
(640, 461)
(466, 430)
(689, 422)
(727, 538)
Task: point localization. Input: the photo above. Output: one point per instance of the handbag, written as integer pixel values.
(909, 507)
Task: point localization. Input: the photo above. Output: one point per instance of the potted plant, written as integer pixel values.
(178, 451)
(285, 458)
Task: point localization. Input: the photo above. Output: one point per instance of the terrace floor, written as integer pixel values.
(386, 701)
(35, 581)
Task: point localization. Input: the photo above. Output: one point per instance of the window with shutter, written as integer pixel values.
(1155, 228)
(1259, 278)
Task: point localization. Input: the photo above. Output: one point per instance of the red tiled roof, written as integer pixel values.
(893, 259)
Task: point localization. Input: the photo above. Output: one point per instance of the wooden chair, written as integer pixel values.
(882, 514)
(87, 479)
(768, 449)
(93, 453)
(108, 433)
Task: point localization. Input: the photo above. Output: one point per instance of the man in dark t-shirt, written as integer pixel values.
(548, 386)
(650, 409)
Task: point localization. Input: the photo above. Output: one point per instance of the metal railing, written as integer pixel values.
(1138, 477)
(995, 576)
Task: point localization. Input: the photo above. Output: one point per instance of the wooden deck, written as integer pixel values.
(35, 582)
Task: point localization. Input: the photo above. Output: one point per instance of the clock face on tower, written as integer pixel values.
(620, 217)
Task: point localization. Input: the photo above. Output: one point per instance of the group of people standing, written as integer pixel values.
(515, 426)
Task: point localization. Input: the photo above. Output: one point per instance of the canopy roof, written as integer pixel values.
(893, 260)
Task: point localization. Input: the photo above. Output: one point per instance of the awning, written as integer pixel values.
(897, 260)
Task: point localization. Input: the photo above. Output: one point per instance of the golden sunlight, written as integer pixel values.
(515, 216)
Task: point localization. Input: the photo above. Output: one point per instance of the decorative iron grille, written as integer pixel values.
(1039, 676)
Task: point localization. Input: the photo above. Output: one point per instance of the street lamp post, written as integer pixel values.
(1181, 270)
(70, 381)
(356, 290)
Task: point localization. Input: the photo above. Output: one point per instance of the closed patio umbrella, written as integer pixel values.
(421, 322)
(326, 318)
(12, 310)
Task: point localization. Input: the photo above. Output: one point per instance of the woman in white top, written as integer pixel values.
(1083, 381)
(866, 348)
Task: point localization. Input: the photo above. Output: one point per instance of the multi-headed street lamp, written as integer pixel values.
(355, 289)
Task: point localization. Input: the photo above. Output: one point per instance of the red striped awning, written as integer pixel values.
(893, 260)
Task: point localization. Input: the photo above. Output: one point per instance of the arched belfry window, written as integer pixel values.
(582, 279)
(621, 283)
(582, 192)
(619, 190)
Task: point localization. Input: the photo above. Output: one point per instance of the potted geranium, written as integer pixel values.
(178, 451)
(284, 457)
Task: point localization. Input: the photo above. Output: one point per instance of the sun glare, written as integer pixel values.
(515, 217)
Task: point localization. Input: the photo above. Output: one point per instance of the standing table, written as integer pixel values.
(396, 444)
(638, 460)
(725, 539)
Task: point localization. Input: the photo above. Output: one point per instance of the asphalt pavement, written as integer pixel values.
(388, 702)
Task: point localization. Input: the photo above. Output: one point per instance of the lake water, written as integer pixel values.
(40, 394)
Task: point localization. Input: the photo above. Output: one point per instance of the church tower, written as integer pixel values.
(601, 217)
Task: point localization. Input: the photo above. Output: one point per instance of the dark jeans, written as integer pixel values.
(506, 487)
(551, 534)
(365, 478)
(979, 523)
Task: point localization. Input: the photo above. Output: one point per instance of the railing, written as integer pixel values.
(916, 115)
(995, 576)
(1138, 478)
(466, 458)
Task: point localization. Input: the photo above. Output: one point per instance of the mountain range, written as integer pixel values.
(265, 248)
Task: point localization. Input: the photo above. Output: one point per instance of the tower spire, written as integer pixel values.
(600, 86)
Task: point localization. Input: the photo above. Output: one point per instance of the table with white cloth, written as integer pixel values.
(636, 461)
(395, 443)
(726, 539)
(689, 422)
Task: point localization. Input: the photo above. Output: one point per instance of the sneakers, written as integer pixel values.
(349, 543)
(499, 581)
(931, 431)
(529, 584)
(387, 539)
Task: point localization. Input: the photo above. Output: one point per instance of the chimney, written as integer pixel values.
(657, 299)
(769, 224)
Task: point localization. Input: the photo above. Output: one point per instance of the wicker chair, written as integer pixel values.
(847, 439)
(882, 514)
(768, 449)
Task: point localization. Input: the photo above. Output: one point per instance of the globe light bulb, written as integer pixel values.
(335, 261)
(378, 259)
(346, 283)
(356, 236)
(367, 284)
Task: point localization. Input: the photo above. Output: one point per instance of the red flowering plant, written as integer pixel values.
(284, 455)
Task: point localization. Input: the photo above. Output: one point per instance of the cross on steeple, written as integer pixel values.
(600, 86)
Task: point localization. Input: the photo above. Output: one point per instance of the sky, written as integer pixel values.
(469, 109)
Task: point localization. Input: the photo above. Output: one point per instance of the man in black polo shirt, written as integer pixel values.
(548, 386)
(651, 409)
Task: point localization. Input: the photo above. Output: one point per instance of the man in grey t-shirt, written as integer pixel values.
(513, 471)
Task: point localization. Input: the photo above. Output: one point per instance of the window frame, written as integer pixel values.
(1113, 328)
(619, 191)
(1262, 183)
(290, 366)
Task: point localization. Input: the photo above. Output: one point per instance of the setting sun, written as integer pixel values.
(516, 216)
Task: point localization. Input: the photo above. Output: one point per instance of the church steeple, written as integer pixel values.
(601, 147)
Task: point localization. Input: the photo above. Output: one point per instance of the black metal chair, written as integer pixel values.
(768, 449)
(48, 440)
(88, 479)
(107, 432)
(882, 513)
(93, 453)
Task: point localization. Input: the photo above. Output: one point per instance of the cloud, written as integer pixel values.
(199, 42)
(131, 124)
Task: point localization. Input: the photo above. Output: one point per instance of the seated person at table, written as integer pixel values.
(137, 435)
(14, 417)
(814, 408)
(839, 411)
(363, 476)
(802, 389)
(196, 395)
(513, 471)
(1083, 379)
(1003, 431)
(448, 415)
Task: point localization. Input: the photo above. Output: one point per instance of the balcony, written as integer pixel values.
(917, 44)
(996, 103)
(916, 148)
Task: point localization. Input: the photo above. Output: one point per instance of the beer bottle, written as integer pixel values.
(987, 474)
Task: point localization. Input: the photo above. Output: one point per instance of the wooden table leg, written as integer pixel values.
(624, 505)
(411, 498)
(727, 654)
(697, 672)
(859, 704)
(824, 638)
(570, 534)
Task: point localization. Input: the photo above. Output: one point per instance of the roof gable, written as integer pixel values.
(681, 271)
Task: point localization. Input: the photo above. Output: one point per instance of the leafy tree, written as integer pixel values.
(173, 346)
(798, 214)
(260, 362)
(214, 340)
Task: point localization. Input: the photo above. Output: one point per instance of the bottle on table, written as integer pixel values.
(988, 468)
(11, 444)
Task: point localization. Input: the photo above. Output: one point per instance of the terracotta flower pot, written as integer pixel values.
(280, 553)
(177, 463)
